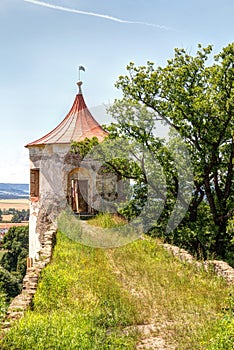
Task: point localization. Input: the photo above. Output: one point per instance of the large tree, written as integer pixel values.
(196, 99)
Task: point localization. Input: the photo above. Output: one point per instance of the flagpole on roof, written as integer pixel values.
(79, 69)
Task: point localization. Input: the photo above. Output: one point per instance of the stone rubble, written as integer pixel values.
(150, 339)
(221, 268)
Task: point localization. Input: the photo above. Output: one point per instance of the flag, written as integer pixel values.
(81, 68)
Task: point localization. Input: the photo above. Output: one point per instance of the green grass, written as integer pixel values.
(88, 297)
(3, 305)
(107, 220)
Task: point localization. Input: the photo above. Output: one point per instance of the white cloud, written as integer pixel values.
(111, 18)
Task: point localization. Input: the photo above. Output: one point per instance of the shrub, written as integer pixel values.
(223, 338)
(16, 244)
(9, 284)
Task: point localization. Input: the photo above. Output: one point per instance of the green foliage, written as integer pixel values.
(133, 208)
(17, 215)
(16, 243)
(44, 332)
(3, 305)
(9, 284)
(196, 100)
(223, 332)
(230, 227)
(198, 237)
(129, 151)
(230, 231)
(83, 147)
(13, 261)
(20, 215)
(224, 337)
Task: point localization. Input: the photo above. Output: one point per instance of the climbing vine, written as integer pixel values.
(84, 147)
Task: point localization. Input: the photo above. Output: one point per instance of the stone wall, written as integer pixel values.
(23, 301)
(221, 268)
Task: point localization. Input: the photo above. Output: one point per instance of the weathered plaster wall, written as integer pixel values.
(57, 166)
(54, 163)
(34, 236)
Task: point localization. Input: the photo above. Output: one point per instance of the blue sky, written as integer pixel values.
(41, 48)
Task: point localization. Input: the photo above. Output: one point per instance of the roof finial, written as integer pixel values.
(80, 82)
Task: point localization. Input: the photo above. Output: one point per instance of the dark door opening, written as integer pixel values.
(83, 196)
(79, 196)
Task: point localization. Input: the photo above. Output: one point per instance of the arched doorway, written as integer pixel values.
(79, 191)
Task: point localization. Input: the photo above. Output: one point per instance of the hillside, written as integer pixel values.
(13, 191)
(134, 297)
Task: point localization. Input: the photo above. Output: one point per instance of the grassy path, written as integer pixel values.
(134, 297)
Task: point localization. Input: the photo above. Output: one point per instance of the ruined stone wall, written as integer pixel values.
(221, 268)
(23, 301)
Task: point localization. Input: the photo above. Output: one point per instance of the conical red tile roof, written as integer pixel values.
(76, 126)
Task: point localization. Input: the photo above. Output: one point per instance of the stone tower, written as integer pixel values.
(56, 176)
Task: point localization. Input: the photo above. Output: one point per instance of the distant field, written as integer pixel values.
(7, 217)
(10, 224)
(19, 204)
